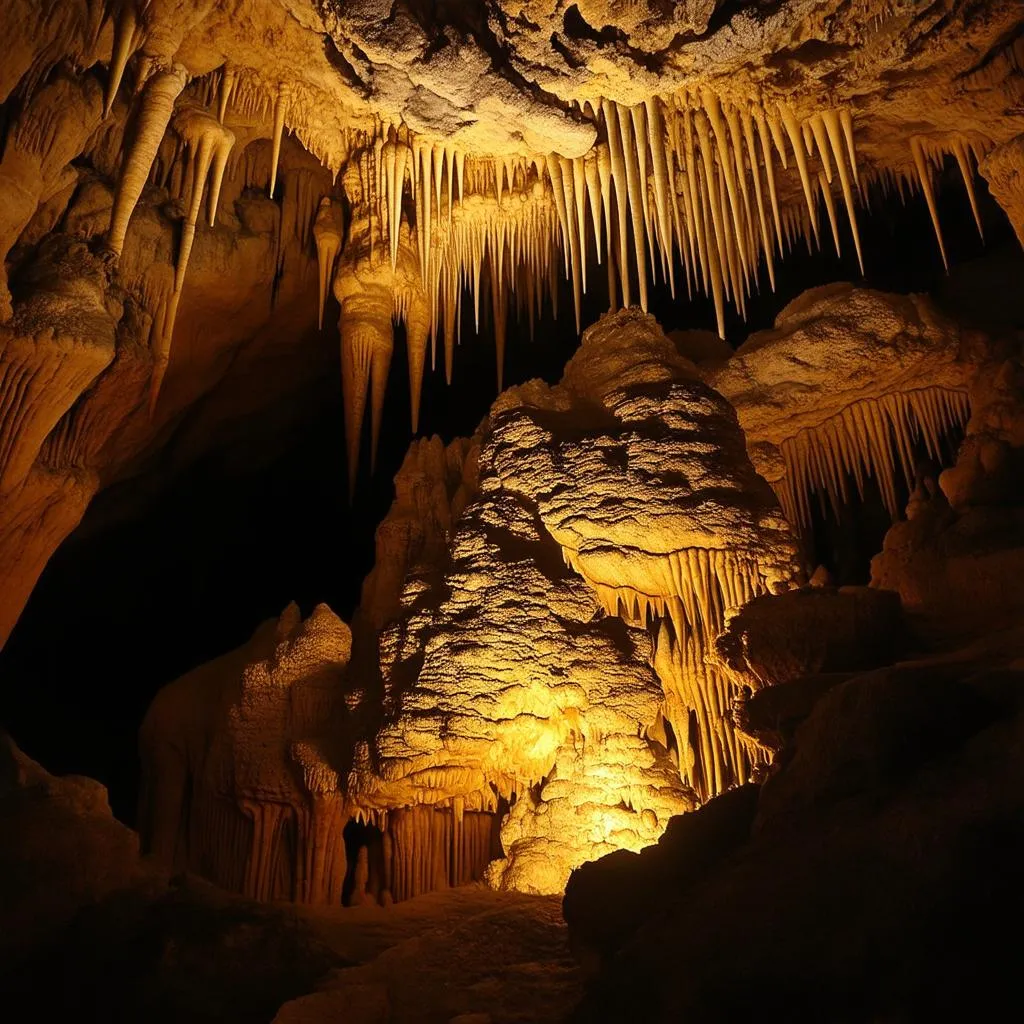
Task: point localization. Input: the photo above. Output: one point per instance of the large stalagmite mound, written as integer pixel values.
(509, 679)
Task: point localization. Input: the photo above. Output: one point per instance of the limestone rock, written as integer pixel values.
(235, 784)
(777, 639)
(869, 866)
(844, 385)
(61, 850)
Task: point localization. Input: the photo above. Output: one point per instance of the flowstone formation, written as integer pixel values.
(234, 784)
(534, 688)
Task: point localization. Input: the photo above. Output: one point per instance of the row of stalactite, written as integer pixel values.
(699, 587)
(699, 697)
(875, 437)
(319, 854)
(687, 181)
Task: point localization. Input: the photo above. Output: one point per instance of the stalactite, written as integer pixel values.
(868, 438)
(156, 107)
(431, 848)
(126, 40)
(227, 86)
(367, 343)
(925, 178)
(280, 112)
(328, 233)
(208, 143)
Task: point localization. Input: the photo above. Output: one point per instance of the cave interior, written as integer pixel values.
(510, 510)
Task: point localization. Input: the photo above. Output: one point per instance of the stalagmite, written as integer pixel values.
(281, 103)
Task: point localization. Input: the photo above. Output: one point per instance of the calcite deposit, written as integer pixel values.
(541, 616)
(410, 155)
(596, 623)
(846, 387)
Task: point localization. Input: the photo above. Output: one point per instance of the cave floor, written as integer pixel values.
(458, 956)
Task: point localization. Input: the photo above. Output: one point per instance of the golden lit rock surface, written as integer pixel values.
(492, 148)
(587, 629)
(843, 387)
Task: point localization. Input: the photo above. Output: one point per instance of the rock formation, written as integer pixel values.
(850, 384)
(596, 629)
(507, 615)
(234, 787)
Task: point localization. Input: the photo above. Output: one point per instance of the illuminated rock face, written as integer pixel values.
(620, 498)
(544, 599)
(843, 388)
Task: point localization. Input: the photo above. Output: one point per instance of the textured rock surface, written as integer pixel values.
(775, 640)
(234, 786)
(495, 145)
(62, 850)
(956, 561)
(845, 387)
(873, 865)
(614, 475)
(507, 672)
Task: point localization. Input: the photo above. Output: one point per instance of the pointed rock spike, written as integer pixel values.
(924, 176)
(793, 130)
(818, 131)
(124, 45)
(834, 128)
(280, 110)
(963, 162)
(227, 86)
(157, 106)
